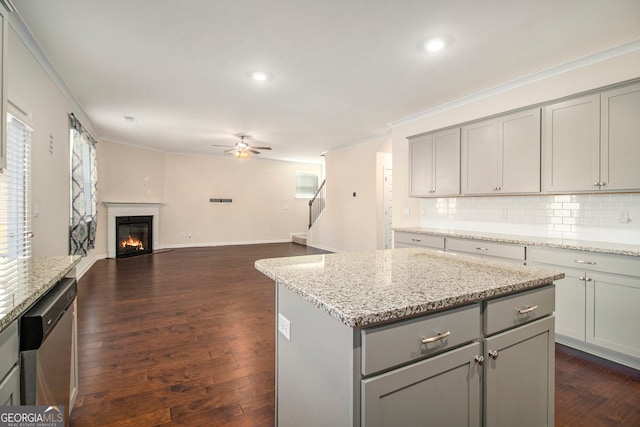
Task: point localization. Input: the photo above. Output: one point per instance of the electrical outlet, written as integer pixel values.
(284, 326)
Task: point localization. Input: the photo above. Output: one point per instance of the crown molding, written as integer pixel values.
(604, 55)
(24, 33)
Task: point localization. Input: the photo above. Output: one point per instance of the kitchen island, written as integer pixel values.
(412, 337)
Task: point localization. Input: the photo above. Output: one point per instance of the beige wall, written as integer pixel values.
(406, 210)
(264, 207)
(353, 223)
(30, 87)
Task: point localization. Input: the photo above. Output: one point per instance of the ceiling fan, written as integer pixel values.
(242, 150)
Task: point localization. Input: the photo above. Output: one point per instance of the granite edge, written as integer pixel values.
(38, 287)
(408, 311)
(516, 240)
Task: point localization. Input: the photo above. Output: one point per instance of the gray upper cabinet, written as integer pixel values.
(435, 164)
(620, 139)
(571, 145)
(502, 155)
(591, 143)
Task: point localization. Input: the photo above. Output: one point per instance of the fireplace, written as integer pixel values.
(134, 235)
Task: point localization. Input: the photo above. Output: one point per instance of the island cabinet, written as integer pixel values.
(434, 161)
(412, 337)
(502, 155)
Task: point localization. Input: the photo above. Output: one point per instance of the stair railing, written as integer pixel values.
(316, 204)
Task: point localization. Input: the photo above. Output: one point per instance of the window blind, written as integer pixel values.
(15, 218)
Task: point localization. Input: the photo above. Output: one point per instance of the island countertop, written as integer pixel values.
(40, 275)
(364, 288)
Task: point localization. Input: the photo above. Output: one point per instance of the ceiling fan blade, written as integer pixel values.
(220, 145)
(261, 148)
(253, 151)
(230, 150)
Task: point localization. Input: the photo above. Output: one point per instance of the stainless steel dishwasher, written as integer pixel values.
(45, 348)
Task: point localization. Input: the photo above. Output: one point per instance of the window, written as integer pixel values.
(306, 185)
(82, 231)
(15, 218)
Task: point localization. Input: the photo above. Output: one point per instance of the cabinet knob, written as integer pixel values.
(479, 360)
(493, 354)
(585, 278)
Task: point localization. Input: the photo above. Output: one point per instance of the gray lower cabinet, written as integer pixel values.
(519, 376)
(9, 368)
(444, 390)
(597, 301)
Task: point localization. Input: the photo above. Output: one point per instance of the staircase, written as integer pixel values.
(316, 204)
(300, 239)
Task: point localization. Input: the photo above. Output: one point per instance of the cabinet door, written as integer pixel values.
(519, 152)
(479, 162)
(571, 145)
(612, 312)
(421, 161)
(519, 381)
(570, 304)
(620, 147)
(442, 391)
(446, 165)
(10, 388)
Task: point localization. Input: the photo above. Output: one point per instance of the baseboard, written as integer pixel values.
(595, 350)
(210, 244)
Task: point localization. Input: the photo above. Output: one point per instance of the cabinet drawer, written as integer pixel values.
(511, 311)
(484, 248)
(9, 348)
(583, 260)
(419, 239)
(390, 345)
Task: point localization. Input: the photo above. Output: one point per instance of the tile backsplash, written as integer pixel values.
(595, 217)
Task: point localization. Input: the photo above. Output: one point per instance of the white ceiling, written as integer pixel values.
(341, 69)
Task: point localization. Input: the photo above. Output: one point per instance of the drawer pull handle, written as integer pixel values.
(493, 354)
(479, 360)
(529, 309)
(581, 261)
(416, 240)
(436, 338)
(482, 249)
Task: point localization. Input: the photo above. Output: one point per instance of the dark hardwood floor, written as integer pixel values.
(186, 337)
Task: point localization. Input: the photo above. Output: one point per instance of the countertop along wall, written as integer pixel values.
(598, 217)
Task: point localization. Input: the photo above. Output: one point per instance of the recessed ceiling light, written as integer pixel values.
(434, 45)
(260, 76)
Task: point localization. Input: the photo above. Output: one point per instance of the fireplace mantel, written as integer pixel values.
(115, 209)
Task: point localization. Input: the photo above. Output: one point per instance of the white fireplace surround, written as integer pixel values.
(115, 209)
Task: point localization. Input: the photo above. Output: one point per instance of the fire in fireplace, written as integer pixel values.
(133, 235)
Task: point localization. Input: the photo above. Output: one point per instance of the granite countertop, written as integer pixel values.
(41, 275)
(363, 288)
(577, 245)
